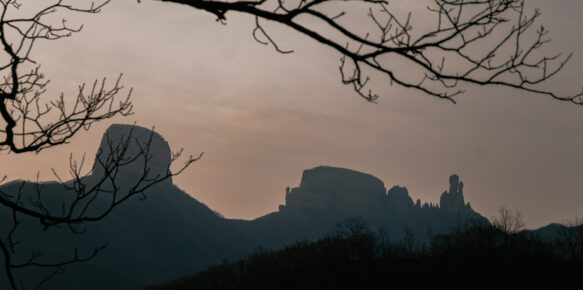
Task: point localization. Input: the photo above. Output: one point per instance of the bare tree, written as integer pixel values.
(409, 239)
(478, 42)
(508, 221)
(571, 239)
(353, 228)
(29, 124)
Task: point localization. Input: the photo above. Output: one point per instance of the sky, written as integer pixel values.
(262, 117)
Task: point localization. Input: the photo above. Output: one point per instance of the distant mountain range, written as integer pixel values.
(171, 234)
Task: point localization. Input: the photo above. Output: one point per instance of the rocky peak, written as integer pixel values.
(453, 200)
(398, 199)
(335, 178)
(337, 188)
(133, 139)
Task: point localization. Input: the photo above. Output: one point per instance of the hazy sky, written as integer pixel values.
(262, 117)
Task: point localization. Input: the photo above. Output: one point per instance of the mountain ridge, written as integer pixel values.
(170, 233)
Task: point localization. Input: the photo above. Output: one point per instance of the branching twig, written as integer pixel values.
(478, 42)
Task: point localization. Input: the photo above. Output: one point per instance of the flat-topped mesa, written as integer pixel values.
(337, 188)
(453, 200)
(137, 140)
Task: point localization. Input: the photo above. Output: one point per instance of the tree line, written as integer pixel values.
(475, 255)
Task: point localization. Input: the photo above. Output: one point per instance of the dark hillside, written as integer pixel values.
(366, 261)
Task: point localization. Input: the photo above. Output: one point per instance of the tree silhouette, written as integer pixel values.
(478, 254)
(571, 239)
(479, 42)
(508, 222)
(30, 124)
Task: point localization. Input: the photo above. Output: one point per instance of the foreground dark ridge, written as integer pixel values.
(479, 256)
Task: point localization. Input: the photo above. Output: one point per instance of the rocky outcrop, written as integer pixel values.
(327, 195)
(398, 200)
(126, 142)
(335, 178)
(453, 200)
(337, 188)
(357, 193)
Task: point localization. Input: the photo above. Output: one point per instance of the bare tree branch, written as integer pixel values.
(474, 42)
(32, 125)
(29, 123)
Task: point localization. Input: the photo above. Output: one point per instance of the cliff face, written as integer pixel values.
(358, 193)
(337, 188)
(334, 178)
(327, 195)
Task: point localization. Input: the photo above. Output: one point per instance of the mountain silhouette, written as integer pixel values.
(166, 235)
(328, 195)
(169, 234)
